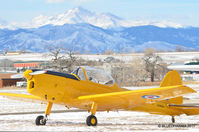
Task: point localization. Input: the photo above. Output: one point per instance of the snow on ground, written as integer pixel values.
(75, 121)
(168, 57)
(113, 121)
(26, 57)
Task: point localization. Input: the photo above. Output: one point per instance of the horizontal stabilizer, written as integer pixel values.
(185, 105)
(188, 109)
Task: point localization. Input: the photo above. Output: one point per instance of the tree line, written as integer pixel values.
(148, 68)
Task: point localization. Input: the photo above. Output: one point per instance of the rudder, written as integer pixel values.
(172, 78)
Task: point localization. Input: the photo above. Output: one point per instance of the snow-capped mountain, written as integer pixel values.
(92, 39)
(92, 32)
(3, 24)
(81, 15)
(78, 15)
(103, 20)
(84, 37)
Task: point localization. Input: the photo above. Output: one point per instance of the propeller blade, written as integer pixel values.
(37, 72)
(20, 75)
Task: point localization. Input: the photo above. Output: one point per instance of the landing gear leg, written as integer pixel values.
(92, 120)
(41, 120)
(173, 119)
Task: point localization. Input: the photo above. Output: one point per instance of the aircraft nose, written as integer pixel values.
(27, 75)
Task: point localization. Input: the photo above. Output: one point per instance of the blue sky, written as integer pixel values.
(185, 12)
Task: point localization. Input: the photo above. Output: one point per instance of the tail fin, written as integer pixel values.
(172, 78)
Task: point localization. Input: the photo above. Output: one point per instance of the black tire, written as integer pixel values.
(173, 119)
(91, 120)
(40, 120)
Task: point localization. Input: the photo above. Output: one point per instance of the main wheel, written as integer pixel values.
(91, 120)
(40, 120)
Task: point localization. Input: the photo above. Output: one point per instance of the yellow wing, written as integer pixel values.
(23, 97)
(130, 99)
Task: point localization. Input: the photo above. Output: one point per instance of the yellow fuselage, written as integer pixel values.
(62, 90)
(65, 91)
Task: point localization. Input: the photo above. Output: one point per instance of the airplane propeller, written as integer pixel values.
(21, 75)
(37, 72)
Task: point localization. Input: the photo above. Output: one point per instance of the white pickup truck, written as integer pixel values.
(21, 84)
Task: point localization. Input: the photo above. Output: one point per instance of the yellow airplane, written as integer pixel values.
(94, 90)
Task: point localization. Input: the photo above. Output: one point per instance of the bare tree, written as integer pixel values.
(179, 48)
(139, 74)
(117, 73)
(62, 59)
(152, 62)
(108, 52)
(71, 59)
(56, 52)
(128, 74)
(6, 64)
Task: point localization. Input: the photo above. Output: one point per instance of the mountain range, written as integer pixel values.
(92, 32)
(81, 15)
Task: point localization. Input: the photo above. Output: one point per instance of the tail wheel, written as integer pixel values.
(173, 119)
(40, 120)
(91, 120)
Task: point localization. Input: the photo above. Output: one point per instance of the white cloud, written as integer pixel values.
(55, 1)
(59, 1)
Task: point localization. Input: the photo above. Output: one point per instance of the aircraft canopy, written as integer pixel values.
(94, 75)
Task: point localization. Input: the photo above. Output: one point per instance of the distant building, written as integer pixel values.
(111, 59)
(13, 52)
(26, 64)
(30, 64)
(5, 80)
(191, 75)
